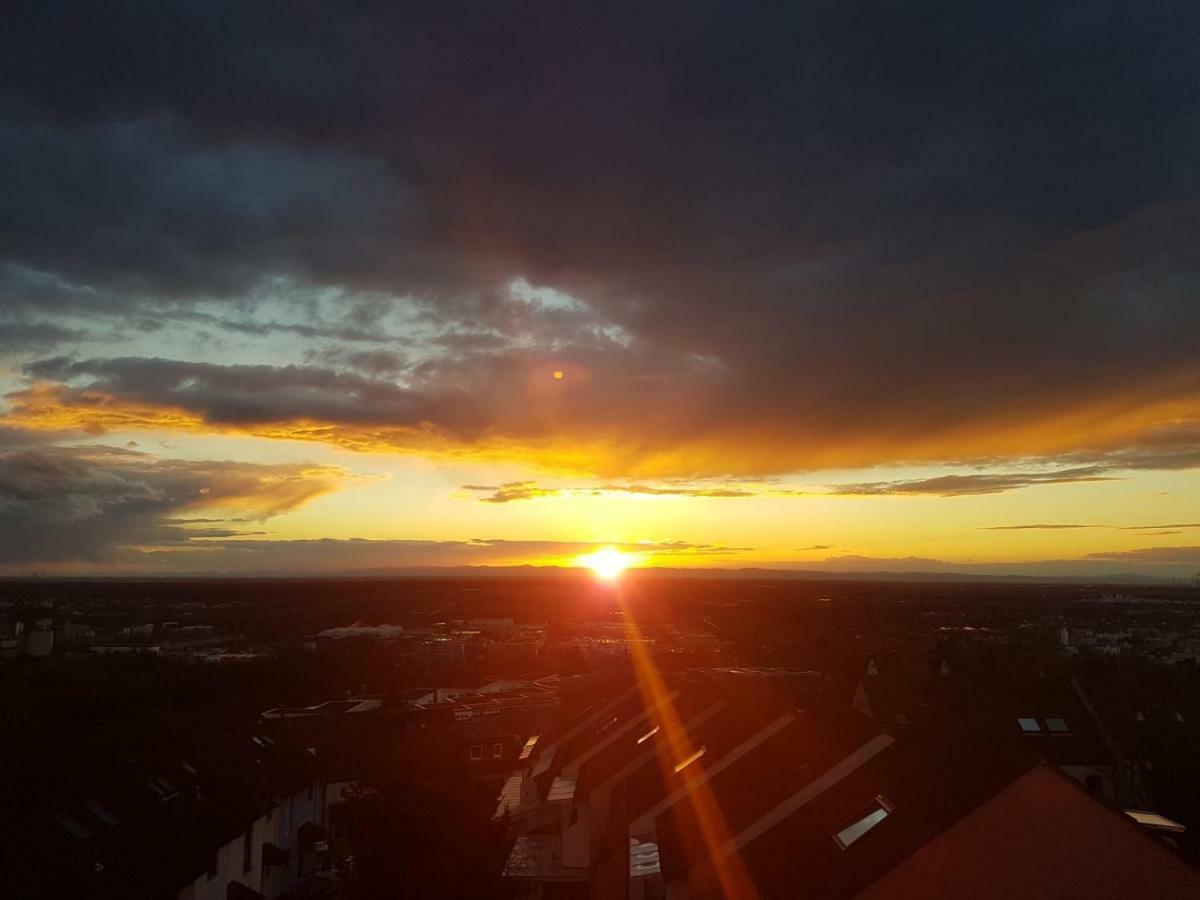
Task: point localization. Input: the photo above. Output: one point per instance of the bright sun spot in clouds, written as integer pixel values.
(607, 562)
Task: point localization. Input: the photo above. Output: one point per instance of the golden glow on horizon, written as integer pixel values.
(582, 445)
(608, 562)
(796, 522)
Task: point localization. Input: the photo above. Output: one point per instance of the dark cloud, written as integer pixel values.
(513, 490)
(675, 491)
(1152, 555)
(966, 485)
(1144, 528)
(1037, 527)
(1175, 445)
(86, 503)
(33, 336)
(824, 236)
(530, 490)
(1168, 525)
(1156, 563)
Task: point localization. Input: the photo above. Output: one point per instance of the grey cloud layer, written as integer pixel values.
(84, 503)
(832, 233)
(983, 483)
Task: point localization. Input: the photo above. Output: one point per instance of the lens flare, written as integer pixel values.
(607, 562)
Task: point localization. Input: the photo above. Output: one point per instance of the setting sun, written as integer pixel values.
(607, 562)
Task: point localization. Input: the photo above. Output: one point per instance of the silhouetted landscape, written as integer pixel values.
(427, 716)
(599, 451)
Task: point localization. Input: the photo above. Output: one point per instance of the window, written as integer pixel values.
(879, 810)
(477, 751)
(161, 788)
(691, 759)
(103, 813)
(73, 825)
(248, 847)
(497, 751)
(1030, 726)
(649, 734)
(1058, 726)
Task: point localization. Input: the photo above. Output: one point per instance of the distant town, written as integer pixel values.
(532, 737)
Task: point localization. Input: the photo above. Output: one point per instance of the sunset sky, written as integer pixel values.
(332, 287)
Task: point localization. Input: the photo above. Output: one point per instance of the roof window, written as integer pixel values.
(649, 734)
(103, 813)
(74, 826)
(691, 759)
(879, 810)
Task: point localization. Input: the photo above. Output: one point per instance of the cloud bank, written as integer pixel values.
(753, 242)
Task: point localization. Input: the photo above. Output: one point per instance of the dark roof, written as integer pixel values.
(154, 797)
(735, 725)
(992, 704)
(621, 753)
(931, 784)
(1042, 836)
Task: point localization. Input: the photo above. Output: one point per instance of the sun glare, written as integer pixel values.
(607, 562)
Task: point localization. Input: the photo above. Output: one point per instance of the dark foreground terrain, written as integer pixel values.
(394, 711)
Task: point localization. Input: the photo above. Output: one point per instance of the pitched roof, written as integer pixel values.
(785, 832)
(151, 799)
(1042, 836)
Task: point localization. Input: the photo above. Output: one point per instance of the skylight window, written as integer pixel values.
(103, 813)
(691, 759)
(162, 788)
(74, 826)
(649, 734)
(879, 810)
(1030, 726)
(527, 750)
(1058, 726)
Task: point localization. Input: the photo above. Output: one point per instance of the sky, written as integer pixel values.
(299, 287)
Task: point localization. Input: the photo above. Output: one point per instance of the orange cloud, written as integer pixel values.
(1135, 430)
